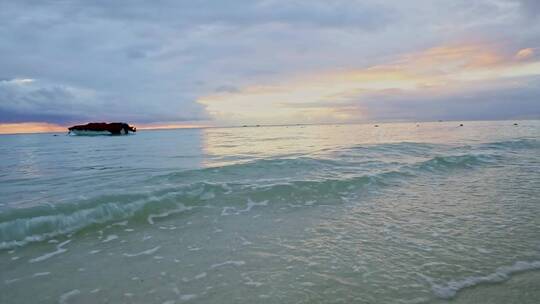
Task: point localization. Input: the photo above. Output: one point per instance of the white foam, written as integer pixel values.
(40, 274)
(67, 223)
(181, 208)
(200, 276)
(252, 204)
(207, 196)
(235, 263)
(249, 206)
(448, 290)
(64, 297)
(46, 256)
(226, 209)
(253, 283)
(110, 238)
(88, 132)
(123, 223)
(483, 250)
(245, 242)
(187, 297)
(250, 281)
(146, 252)
(9, 281)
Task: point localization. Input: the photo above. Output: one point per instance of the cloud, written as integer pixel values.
(152, 62)
(434, 80)
(239, 12)
(494, 101)
(530, 7)
(28, 100)
(227, 89)
(13, 128)
(22, 100)
(525, 54)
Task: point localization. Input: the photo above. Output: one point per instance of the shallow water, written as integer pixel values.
(305, 214)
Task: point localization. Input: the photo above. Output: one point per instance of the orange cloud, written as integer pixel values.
(162, 126)
(524, 54)
(435, 70)
(30, 127)
(450, 58)
(38, 127)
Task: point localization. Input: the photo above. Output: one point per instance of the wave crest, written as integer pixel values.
(450, 289)
(21, 226)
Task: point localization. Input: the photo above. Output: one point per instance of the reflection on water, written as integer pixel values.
(399, 213)
(223, 146)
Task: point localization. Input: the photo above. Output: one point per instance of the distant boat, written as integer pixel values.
(102, 128)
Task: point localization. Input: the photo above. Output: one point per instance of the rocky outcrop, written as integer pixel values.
(114, 128)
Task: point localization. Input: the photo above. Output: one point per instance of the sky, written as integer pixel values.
(235, 62)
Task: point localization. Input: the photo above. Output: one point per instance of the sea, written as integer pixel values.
(429, 212)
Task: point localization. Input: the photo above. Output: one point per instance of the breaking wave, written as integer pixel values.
(260, 180)
(449, 289)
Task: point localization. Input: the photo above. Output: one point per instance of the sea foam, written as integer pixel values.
(449, 289)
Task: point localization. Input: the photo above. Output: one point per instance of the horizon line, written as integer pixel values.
(160, 128)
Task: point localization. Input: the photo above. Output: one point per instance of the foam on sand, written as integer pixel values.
(64, 297)
(235, 263)
(146, 252)
(450, 289)
(59, 250)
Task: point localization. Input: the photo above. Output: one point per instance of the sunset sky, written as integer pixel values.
(217, 63)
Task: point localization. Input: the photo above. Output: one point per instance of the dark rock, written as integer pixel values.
(115, 128)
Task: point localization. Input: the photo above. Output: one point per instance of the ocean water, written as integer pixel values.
(400, 213)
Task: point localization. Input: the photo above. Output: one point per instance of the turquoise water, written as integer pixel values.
(401, 213)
